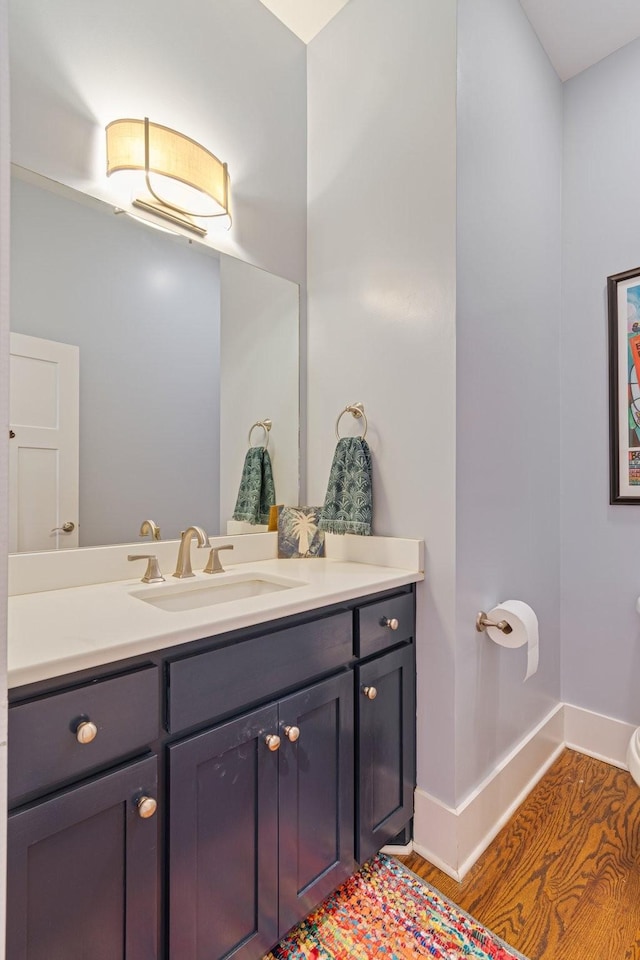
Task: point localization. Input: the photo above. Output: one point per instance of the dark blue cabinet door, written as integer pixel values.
(316, 796)
(82, 872)
(386, 749)
(223, 841)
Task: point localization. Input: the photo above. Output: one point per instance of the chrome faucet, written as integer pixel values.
(183, 566)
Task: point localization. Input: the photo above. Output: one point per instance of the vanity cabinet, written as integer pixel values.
(386, 749)
(82, 871)
(386, 720)
(277, 770)
(261, 822)
(316, 793)
(82, 850)
(224, 840)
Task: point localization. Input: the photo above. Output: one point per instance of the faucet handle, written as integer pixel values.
(153, 573)
(213, 563)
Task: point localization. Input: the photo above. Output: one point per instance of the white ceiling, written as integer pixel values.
(305, 17)
(578, 33)
(575, 33)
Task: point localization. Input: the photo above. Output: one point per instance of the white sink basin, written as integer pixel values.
(222, 588)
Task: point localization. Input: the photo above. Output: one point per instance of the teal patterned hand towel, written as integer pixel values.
(257, 490)
(348, 503)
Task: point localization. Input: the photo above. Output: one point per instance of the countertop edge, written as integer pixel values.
(382, 580)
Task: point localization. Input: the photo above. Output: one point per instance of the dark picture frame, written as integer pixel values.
(623, 297)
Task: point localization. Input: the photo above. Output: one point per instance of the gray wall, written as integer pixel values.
(144, 309)
(382, 81)
(600, 559)
(508, 375)
(468, 458)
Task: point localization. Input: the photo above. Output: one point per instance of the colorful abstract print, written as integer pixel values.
(633, 388)
(386, 912)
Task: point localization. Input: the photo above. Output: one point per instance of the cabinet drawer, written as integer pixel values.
(44, 749)
(374, 633)
(224, 681)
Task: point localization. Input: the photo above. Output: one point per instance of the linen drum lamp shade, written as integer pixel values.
(181, 175)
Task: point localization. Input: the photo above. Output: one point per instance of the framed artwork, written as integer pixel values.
(623, 291)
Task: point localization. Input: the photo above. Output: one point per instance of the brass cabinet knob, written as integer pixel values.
(272, 740)
(86, 731)
(370, 692)
(292, 733)
(147, 806)
(392, 623)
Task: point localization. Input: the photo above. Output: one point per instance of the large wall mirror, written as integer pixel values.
(179, 349)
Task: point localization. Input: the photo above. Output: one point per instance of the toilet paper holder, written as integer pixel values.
(482, 622)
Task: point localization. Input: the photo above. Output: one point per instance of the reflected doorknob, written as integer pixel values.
(67, 527)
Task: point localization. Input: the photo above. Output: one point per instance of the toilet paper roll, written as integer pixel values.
(524, 630)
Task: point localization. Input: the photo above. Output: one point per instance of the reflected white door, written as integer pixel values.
(44, 444)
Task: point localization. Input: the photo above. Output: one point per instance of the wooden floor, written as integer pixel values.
(561, 881)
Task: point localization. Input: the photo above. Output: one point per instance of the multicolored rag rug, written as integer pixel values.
(386, 911)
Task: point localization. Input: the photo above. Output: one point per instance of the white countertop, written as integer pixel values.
(55, 632)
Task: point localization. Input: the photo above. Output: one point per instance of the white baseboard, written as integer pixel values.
(399, 850)
(453, 839)
(596, 735)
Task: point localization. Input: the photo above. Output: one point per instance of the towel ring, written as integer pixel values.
(266, 426)
(357, 411)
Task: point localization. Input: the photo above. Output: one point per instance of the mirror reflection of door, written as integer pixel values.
(44, 444)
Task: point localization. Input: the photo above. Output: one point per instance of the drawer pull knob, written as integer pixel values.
(272, 740)
(86, 731)
(292, 733)
(370, 692)
(392, 623)
(147, 806)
